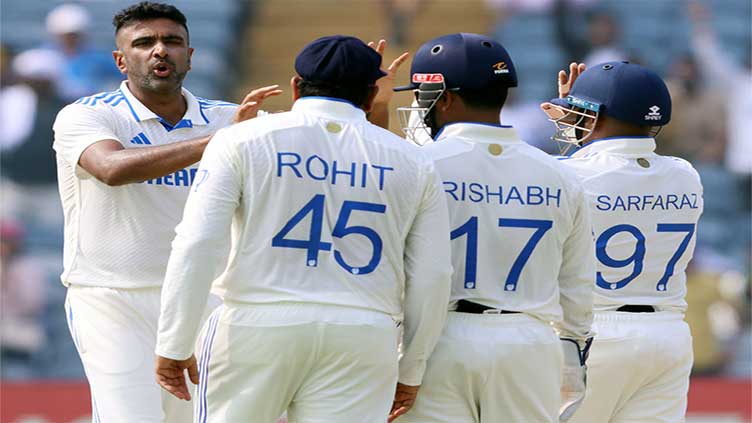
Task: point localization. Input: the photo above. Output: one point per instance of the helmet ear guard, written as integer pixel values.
(414, 119)
(571, 124)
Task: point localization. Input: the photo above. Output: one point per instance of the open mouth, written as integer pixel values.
(162, 70)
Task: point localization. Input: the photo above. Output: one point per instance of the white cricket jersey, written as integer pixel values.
(521, 238)
(119, 236)
(645, 209)
(325, 208)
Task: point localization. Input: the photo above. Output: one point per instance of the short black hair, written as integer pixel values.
(147, 10)
(355, 94)
(492, 97)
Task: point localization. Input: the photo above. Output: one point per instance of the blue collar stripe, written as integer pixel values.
(133, 112)
(184, 123)
(203, 115)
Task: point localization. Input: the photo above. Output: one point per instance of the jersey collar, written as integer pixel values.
(618, 145)
(142, 113)
(479, 132)
(335, 108)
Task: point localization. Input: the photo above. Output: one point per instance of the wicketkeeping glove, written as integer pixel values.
(574, 380)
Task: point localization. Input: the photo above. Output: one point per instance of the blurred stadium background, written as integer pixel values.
(702, 49)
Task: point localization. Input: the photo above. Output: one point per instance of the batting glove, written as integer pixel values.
(574, 380)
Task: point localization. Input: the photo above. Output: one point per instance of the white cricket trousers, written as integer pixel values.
(491, 368)
(115, 332)
(321, 363)
(638, 370)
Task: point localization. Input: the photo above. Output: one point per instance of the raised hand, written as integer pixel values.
(386, 83)
(252, 102)
(565, 81)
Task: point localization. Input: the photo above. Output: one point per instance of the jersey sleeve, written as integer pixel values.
(199, 247)
(428, 272)
(77, 127)
(577, 275)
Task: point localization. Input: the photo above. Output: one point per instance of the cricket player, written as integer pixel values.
(340, 235)
(522, 249)
(126, 161)
(645, 209)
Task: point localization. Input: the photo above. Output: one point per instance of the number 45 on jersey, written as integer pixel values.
(313, 245)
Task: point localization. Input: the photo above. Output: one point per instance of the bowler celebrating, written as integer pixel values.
(126, 161)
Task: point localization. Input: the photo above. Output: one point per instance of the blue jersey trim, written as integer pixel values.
(203, 115)
(207, 104)
(184, 123)
(118, 101)
(133, 112)
(92, 99)
(111, 98)
(203, 368)
(95, 98)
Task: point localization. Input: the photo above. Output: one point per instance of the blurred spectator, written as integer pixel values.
(16, 100)
(22, 302)
(599, 43)
(530, 122)
(83, 69)
(27, 160)
(400, 14)
(735, 82)
(696, 130)
(506, 8)
(702, 294)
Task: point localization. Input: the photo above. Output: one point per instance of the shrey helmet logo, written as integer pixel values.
(500, 67)
(420, 78)
(653, 115)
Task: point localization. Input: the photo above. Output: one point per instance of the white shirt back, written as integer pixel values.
(119, 237)
(325, 208)
(521, 236)
(645, 209)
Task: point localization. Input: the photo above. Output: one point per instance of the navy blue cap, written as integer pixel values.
(469, 61)
(625, 91)
(339, 59)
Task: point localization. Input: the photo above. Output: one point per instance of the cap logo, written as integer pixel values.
(653, 114)
(500, 68)
(420, 78)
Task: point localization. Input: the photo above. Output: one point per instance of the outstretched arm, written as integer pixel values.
(111, 163)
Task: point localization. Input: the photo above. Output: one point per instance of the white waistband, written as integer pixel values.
(288, 314)
(512, 319)
(93, 288)
(621, 316)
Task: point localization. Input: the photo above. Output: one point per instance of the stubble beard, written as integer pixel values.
(152, 83)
